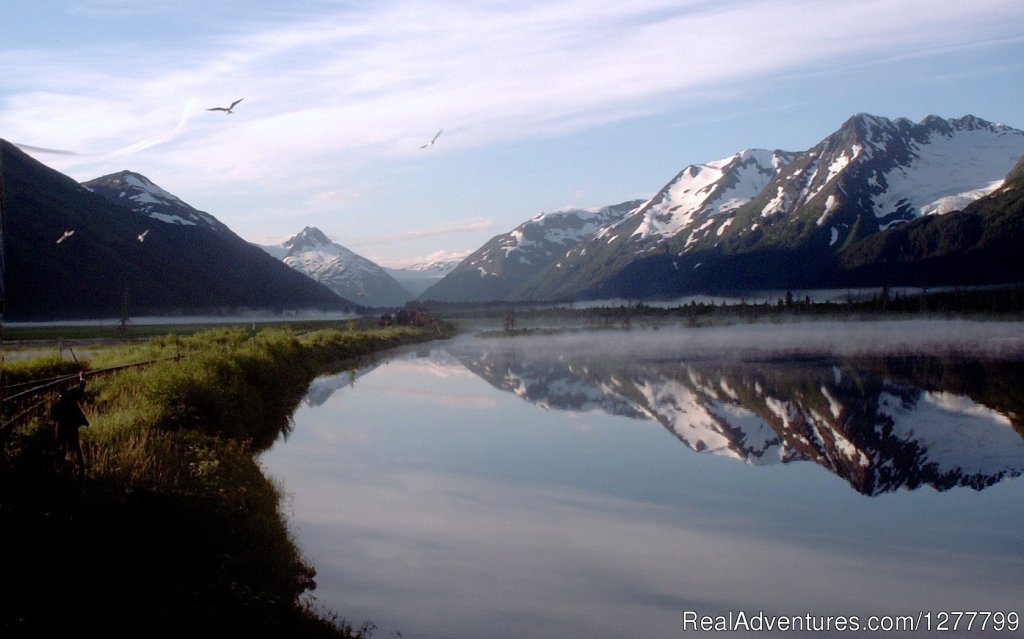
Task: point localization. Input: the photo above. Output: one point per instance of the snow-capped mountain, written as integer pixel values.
(880, 431)
(494, 270)
(980, 244)
(699, 200)
(780, 219)
(875, 173)
(422, 275)
(344, 272)
(142, 196)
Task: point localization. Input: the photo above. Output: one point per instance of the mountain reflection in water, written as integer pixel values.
(434, 501)
(881, 424)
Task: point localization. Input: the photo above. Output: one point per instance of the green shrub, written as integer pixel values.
(41, 368)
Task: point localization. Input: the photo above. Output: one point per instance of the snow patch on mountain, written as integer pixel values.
(955, 165)
(563, 229)
(777, 204)
(957, 202)
(702, 192)
(147, 192)
(149, 199)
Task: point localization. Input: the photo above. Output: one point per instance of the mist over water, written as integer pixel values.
(853, 338)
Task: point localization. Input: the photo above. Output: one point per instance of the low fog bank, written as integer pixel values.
(253, 317)
(982, 339)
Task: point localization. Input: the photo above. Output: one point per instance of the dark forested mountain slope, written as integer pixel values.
(177, 266)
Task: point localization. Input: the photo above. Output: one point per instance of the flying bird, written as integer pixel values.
(142, 236)
(432, 140)
(226, 109)
(68, 233)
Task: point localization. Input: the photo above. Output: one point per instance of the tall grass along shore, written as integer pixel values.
(174, 531)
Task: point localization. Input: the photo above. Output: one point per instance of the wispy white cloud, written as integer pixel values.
(331, 90)
(380, 77)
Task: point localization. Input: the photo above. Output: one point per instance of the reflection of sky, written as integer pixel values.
(440, 506)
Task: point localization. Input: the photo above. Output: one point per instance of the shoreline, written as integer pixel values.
(174, 530)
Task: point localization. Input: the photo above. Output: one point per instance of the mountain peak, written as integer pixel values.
(143, 196)
(973, 123)
(346, 273)
(865, 129)
(867, 119)
(137, 187)
(308, 239)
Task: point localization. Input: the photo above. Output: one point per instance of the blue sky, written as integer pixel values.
(544, 105)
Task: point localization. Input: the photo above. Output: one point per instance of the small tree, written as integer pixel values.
(509, 318)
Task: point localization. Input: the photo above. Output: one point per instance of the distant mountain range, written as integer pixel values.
(878, 202)
(356, 277)
(129, 246)
(418, 277)
(868, 205)
(499, 267)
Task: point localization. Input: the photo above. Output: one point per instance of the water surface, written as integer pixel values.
(608, 484)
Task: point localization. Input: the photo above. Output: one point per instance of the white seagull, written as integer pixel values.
(434, 139)
(142, 236)
(226, 109)
(68, 233)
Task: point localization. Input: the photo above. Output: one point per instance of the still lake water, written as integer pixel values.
(613, 484)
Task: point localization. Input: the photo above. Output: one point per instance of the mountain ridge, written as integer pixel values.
(877, 202)
(507, 260)
(782, 219)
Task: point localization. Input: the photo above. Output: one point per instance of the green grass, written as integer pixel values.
(175, 531)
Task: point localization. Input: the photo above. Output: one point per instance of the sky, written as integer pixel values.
(544, 105)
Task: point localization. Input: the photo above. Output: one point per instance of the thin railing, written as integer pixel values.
(40, 391)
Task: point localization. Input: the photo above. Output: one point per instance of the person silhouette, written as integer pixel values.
(68, 417)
